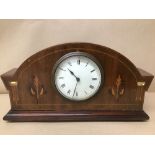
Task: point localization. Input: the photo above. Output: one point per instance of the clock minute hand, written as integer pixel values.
(75, 88)
(77, 79)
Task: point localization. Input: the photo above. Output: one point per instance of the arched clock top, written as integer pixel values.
(87, 47)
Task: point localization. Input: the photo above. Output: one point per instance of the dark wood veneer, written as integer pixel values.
(33, 98)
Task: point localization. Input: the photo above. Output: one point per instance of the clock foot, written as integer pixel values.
(49, 116)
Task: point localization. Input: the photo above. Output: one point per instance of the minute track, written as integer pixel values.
(82, 77)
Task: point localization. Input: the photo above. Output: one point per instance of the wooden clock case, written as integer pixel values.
(34, 98)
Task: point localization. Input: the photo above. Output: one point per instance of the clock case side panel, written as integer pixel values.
(10, 82)
(147, 78)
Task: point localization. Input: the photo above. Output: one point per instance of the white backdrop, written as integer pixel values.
(19, 39)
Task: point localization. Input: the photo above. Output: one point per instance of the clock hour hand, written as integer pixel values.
(77, 79)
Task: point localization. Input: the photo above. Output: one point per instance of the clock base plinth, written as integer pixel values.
(50, 116)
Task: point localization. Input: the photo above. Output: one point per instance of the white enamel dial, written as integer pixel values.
(77, 76)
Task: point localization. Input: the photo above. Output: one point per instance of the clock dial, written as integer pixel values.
(77, 76)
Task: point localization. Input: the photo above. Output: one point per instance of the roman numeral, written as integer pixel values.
(63, 85)
(78, 62)
(94, 78)
(61, 77)
(86, 64)
(92, 70)
(76, 93)
(69, 91)
(85, 92)
(62, 69)
(70, 63)
(92, 87)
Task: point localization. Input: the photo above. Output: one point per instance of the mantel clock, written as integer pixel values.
(77, 82)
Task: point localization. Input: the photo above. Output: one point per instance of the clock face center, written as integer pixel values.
(77, 76)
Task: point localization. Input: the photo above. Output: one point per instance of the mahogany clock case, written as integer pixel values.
(33, 96)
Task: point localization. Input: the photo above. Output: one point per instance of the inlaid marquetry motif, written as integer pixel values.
(117, 89)
(140, 91)
(14, 91)
(37, 89)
